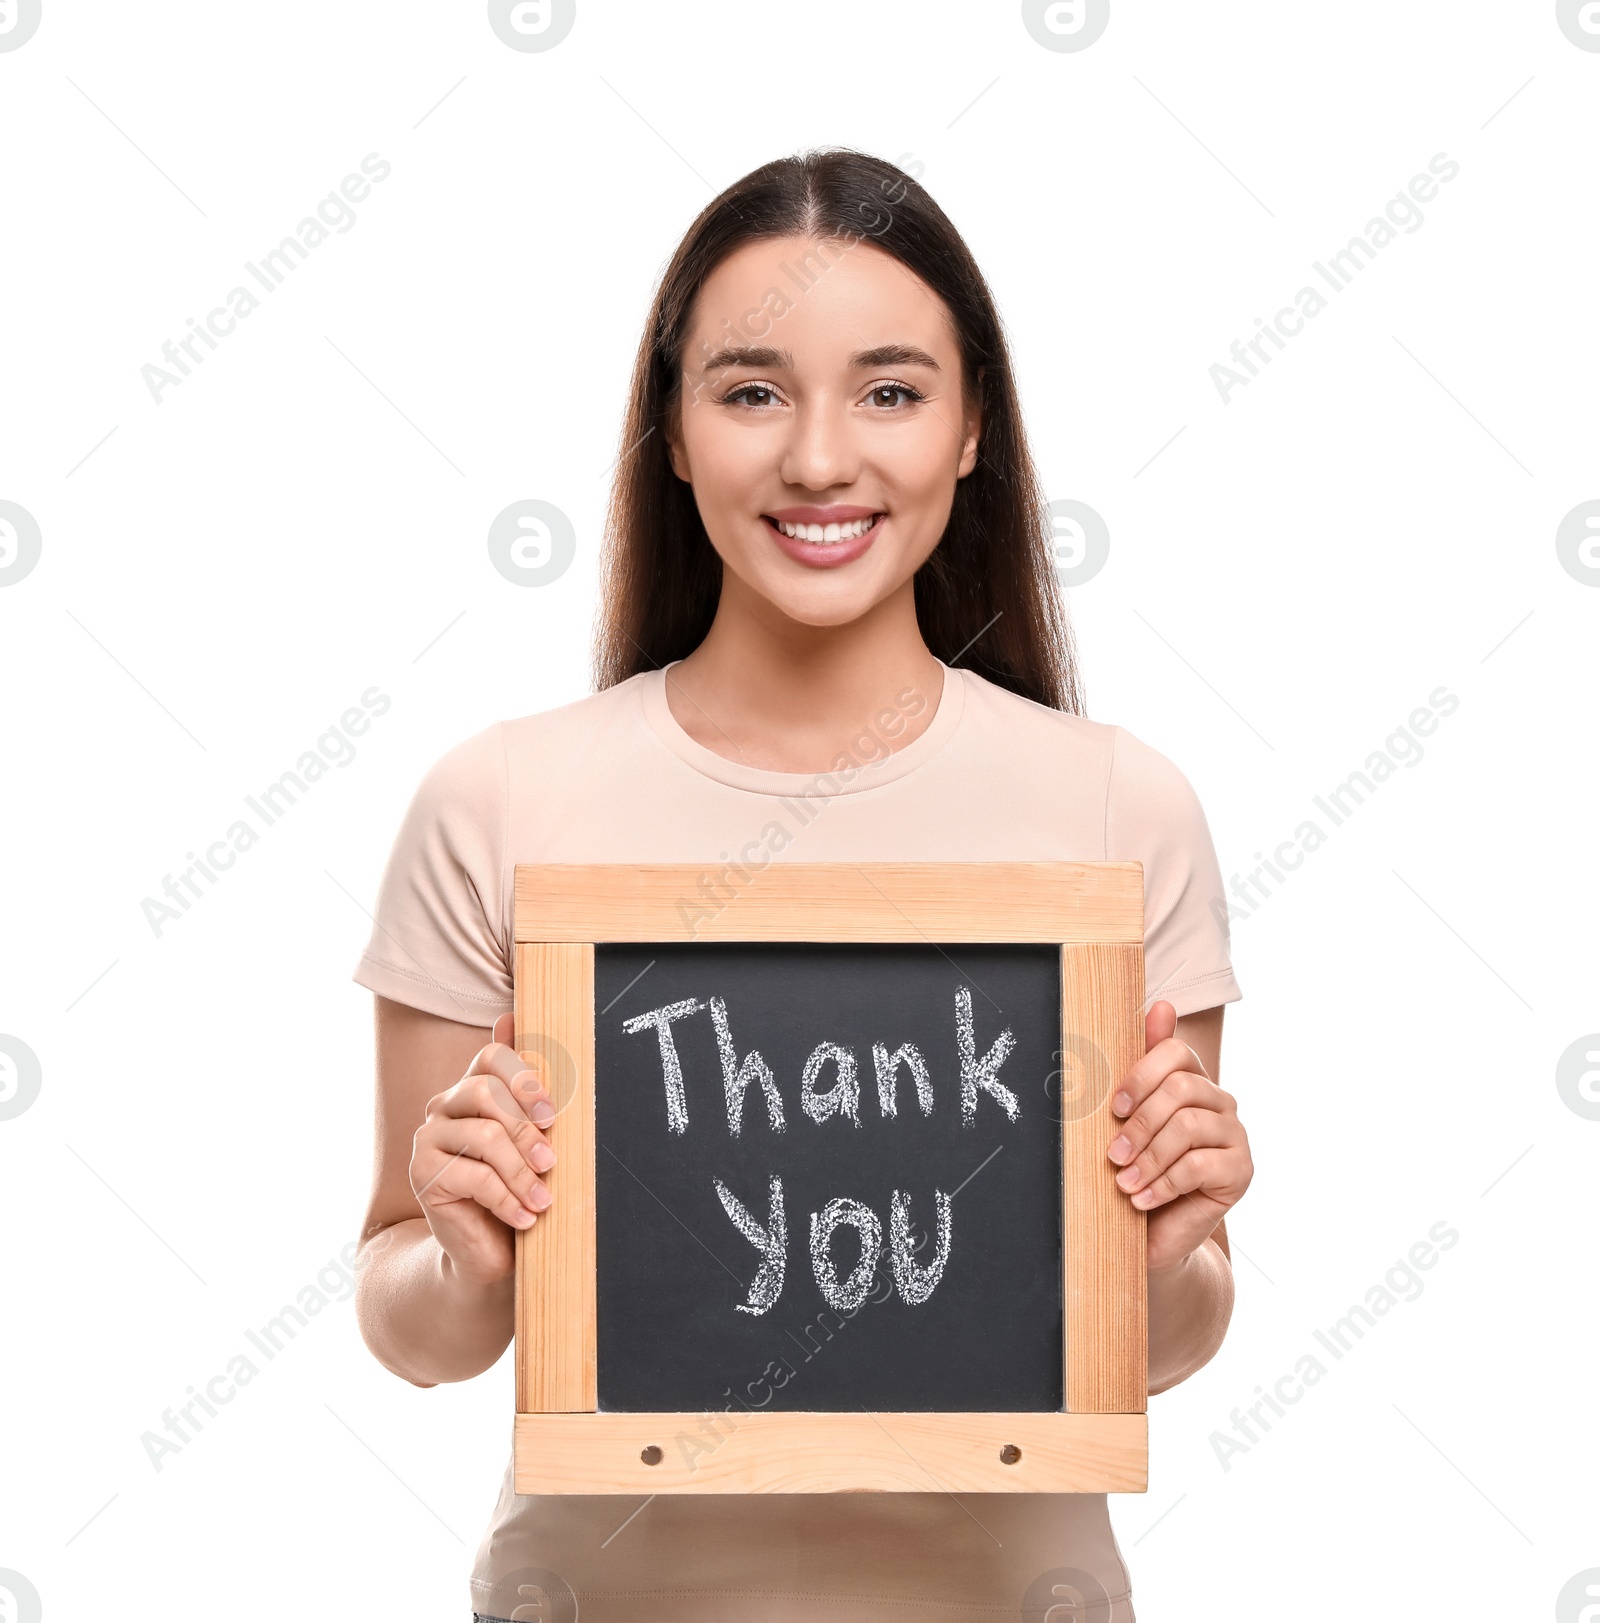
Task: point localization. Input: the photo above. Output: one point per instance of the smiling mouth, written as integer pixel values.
(823, 535)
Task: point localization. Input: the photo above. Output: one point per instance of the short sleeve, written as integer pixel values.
(439, 930)
(1154, 817)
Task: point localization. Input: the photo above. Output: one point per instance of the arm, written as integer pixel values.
(454, 1172)
(1193, 1160)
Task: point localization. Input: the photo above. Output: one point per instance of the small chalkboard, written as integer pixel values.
(832, 1206)
(828, 1177)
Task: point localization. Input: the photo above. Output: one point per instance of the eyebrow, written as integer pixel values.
(766, 355)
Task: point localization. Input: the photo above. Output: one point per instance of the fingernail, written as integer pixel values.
(1120, 1147)
(1144, 1197)
(540, 1198)
(1128, 1178)
(525, 1079)
(543, 1158)
(543, 1114)
(523, 1218)
(1121, 1103)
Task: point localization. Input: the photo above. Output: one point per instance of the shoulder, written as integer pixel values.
(1152, 809)
(579, 726)
(476, 772)
(1030, 725)
(1146, 799)
(1141, 776)
(466, 768)
(1132, 772)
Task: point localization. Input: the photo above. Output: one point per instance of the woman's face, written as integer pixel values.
(821, 396)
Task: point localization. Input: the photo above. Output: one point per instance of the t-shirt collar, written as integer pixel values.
(866, 761)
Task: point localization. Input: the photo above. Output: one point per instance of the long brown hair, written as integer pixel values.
(987, 596)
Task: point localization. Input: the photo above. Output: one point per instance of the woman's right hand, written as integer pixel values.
(476, 1159)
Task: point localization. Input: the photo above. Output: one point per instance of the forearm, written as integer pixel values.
(419, 1317)
(1190, 1306)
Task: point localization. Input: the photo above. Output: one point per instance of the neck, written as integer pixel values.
(774, 693)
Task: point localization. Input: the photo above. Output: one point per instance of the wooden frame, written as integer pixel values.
(1097, 1442)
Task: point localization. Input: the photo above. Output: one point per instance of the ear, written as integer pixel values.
(675, 451)
(974, 430)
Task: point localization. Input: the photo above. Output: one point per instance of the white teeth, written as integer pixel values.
(827, 532)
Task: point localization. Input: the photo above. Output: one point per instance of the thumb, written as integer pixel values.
(505, 1030)
(1160, 1022)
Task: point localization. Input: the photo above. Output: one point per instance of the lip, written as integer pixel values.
(821, 515)
(824, 554)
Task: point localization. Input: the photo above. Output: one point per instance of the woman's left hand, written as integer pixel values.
(1182, 1148)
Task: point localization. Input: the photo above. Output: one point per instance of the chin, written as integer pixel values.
(813, 609)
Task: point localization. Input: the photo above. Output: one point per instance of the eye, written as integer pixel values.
(880, 389)
(736, 396)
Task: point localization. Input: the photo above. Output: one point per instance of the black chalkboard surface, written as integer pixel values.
(919, 1263)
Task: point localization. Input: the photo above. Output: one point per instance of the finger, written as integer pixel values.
(1160, 1021)
(462, 1178)
(486, 1141)
(489, 1098)
(1199, 1174)
(1144, 1076)
(502, 1060)
(504, 1029)
(1189, 1129)
(522, 1076)
(1178, 1228)
(485, 1093)
(1181, 1090)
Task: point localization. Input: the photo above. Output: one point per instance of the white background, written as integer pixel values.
(305, 517)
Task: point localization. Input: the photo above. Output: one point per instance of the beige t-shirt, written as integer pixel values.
(615, 778)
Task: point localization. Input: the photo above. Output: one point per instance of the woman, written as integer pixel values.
(828, 574)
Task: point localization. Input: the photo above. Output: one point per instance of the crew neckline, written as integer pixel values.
(826, 783)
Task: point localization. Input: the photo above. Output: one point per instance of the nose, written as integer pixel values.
(821, 451)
